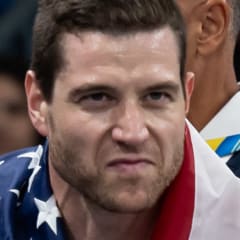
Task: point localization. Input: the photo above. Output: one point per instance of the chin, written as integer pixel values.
(130, 203)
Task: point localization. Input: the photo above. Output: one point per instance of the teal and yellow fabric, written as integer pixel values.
(226, 145)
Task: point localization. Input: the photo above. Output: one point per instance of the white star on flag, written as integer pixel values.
(36, 156)
(31, 178)
(34, 164)
(48, 212)
(2, 162)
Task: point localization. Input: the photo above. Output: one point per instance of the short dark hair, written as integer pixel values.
(116, 17)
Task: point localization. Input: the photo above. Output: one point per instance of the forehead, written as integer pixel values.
(88, 47)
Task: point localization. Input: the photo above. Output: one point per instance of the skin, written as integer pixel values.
(16, 130)
(115, 139)
(210, 56)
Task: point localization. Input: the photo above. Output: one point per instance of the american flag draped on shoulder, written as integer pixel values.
(27, 206)
(201, 204)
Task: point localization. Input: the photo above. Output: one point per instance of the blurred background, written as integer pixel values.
(16, 21)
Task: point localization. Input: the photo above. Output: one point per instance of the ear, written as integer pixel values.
(37, 106)
(215, 20)
(189, 86)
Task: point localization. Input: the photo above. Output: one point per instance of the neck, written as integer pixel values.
(86, 220)
(215, 85)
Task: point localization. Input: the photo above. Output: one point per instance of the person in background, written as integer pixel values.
(212, 30)
(16, 130)
(109, 90)
(16, 21)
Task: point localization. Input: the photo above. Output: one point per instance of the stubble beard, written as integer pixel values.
(94, 188)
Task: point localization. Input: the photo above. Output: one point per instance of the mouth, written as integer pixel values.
(130, 165)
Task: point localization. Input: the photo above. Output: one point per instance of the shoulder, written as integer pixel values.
(16, 171)
(15, 159)
(15, 167)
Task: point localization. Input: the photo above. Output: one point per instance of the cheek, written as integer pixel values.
(88, 132)
(73, 148)
(80, 134)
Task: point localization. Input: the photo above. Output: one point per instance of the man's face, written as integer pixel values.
(116, 120)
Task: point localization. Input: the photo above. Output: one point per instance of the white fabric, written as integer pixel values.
(225, 123)
(217, 195)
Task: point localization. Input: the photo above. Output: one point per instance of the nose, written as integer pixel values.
(130, 125)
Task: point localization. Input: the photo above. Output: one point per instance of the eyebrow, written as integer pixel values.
(93, 87)
(171, 86)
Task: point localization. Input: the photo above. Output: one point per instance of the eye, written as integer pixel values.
(96, 100)
(97, 97)
(156, 95)
(157, 98)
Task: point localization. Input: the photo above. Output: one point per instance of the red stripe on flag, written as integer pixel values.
(177, 204)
